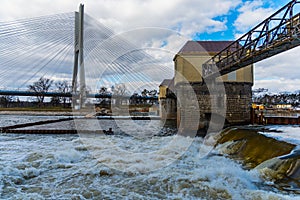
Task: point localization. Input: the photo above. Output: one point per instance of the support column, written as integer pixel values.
(75, 67)
(78, 54)
(81, 58)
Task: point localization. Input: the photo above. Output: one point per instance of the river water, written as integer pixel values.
(142, 162)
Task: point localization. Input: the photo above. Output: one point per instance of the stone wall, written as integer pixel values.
(167, 108)
(218, 103)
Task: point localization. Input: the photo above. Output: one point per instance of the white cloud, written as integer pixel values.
(279, 73)
(279, 85)
(187, 16)
(19, 9)
(251, 14)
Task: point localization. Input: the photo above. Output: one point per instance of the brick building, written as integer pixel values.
(200, 103)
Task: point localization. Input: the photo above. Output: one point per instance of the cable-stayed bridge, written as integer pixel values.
(55, 46)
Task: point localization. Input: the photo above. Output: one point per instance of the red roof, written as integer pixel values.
(204, 46)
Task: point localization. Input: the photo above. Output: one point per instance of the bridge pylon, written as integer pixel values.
(79, 60)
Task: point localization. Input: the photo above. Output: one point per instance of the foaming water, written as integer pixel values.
(276, 158)
(67, 166)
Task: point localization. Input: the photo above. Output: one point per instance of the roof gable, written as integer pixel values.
(168, 83)
(204, 46)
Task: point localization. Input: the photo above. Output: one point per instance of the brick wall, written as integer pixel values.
(215, 101)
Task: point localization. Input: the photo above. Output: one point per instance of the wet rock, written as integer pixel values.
(277, 161)
(105, 172)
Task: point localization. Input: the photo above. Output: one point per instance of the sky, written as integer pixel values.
(191, 19)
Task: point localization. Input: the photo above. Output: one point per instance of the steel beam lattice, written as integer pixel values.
(276, 34)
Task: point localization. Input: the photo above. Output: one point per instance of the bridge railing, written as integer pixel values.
(278, 33)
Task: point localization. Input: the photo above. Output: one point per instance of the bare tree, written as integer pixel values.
(40, 87)
(63, 87)
(118, 91)
(152, 94)
(144, 94)
(149, 93)
(103, 90)
(5, 100)
(134, 99)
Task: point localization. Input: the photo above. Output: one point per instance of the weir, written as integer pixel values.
(276, 160)
(33, 128)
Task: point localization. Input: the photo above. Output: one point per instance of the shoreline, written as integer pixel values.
(41, 113)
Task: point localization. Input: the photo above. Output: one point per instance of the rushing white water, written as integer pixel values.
(65, 166)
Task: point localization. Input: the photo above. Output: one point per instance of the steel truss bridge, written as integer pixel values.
(276, 34)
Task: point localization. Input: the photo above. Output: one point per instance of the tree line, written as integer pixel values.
(273, 99)
(40, 87)
(135, 98)
(43, 85)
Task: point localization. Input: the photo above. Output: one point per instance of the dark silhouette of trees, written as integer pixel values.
(134, 99)
(5, 100)
(151, 94)
(104, 101)
(63, 87)
(40, 87)
(55, 101)
(146, 97)
(273, 99)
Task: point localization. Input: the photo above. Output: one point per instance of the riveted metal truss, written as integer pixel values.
(276, 34)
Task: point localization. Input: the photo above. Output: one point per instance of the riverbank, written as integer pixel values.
(41, 113)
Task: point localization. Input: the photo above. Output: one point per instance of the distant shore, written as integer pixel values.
(40, 113)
